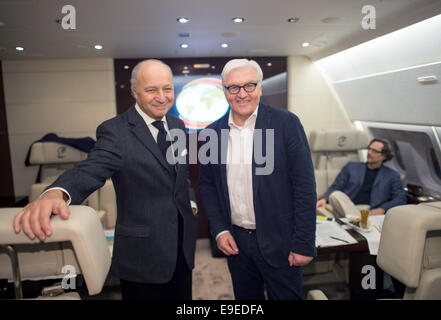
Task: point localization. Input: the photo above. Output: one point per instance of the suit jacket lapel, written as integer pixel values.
(263, 121)
(375, 191)
(222, 154)
(360, 176)
(142, 132)
(172, 124)
(379, 177)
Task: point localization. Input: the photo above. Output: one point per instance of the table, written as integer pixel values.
(359, 257)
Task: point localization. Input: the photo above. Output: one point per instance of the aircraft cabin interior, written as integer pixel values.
(350, 70)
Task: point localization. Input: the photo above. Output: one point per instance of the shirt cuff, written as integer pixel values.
(222, 232)
(58, 188)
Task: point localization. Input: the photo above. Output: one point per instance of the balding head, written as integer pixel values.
(152, 87)
(146, 64)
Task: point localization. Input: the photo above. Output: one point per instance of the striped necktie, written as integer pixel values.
(162, 142)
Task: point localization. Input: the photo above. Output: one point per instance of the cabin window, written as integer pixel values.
(397, 154)
(436, 166)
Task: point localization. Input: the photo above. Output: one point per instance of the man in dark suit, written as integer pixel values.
(156, 229)
(262, 213)
(372, 184)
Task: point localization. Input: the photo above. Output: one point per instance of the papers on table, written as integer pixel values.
(330, 234)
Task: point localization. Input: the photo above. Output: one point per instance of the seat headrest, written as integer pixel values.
(338, 140)
(83, 229)
(406, 242)
(54, 152)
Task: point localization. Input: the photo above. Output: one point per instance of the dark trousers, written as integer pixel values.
(251, 273)
(178, 288)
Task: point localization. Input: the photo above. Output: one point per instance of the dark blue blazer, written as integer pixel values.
(387, 190)
(149, 197)
(284, 201)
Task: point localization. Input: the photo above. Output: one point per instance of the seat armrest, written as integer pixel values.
(83, 229)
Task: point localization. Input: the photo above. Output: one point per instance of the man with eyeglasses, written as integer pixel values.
(263, 222)
(370, 184)
(156, 227)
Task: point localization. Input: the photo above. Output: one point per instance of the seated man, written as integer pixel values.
(369, 183)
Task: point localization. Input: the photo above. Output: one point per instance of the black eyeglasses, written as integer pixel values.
(375, 150)
(249, 87)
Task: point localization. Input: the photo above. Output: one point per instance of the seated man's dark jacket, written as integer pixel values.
(387, 190)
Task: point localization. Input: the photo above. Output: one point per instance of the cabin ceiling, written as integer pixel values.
(138, 29)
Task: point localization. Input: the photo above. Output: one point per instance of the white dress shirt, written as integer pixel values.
(239, 172)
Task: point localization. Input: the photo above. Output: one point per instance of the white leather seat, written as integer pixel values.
(78, 242)
(331, 150)
(410, 250)
(55, 158)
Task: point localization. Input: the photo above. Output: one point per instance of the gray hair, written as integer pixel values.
(135, 70)
(241, 63)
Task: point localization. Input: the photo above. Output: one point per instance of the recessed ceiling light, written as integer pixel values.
(19, 48)
(184, 45)
(126, 67)
(224, 45)
(293, 20)
(238, 20)
(183, 20)
(185, 71)
(98, 47)
(305, 44)
(269, 64)
(185, 67)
